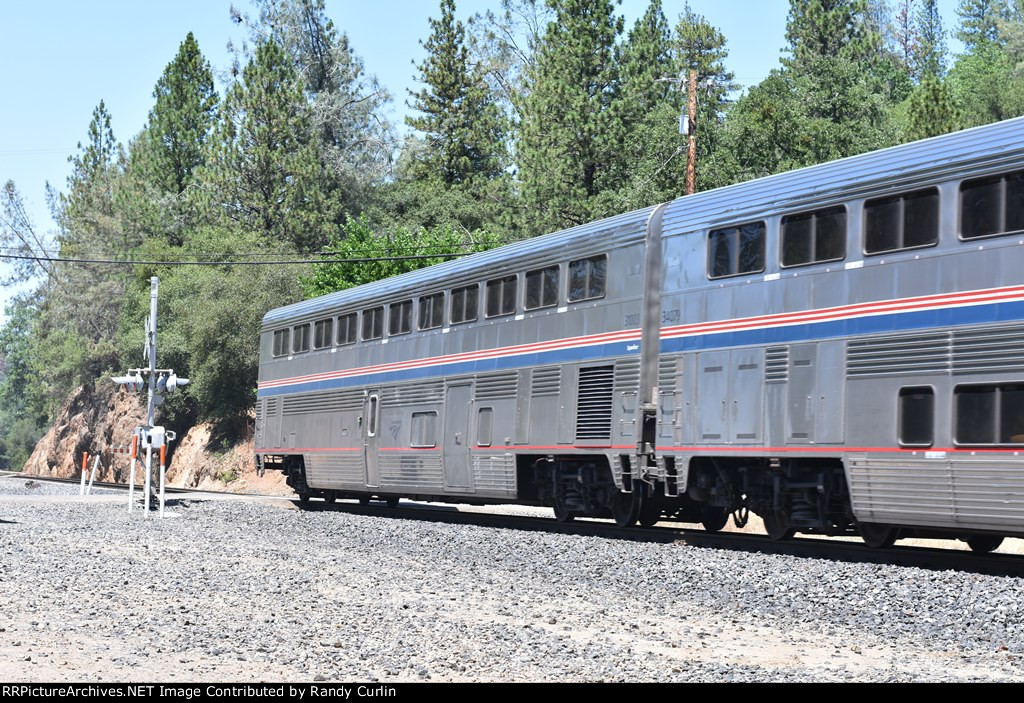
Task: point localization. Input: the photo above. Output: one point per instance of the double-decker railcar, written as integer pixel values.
(838, 349)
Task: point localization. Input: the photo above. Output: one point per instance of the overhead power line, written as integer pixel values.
(275, 262)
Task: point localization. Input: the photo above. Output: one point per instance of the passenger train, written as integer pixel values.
(838, 349)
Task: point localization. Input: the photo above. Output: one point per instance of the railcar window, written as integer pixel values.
(734, 251)
(465, 304)
(322, 333)
(992, 414)
(501, 296)
(431, 311)
(281, 340)
(542, 288)
(588, 278)
(484, 424)
(917, 417)
(991, 206)
(347, 326)
(400, 321)
(423, 430)
(373, 323)
(300, 339)
(901, 222)
(812, 237)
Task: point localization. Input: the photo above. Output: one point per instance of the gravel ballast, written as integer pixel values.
(251, 590)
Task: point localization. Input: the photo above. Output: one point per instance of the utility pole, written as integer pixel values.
(691, 156)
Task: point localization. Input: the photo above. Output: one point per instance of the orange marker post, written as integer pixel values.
(85, 467)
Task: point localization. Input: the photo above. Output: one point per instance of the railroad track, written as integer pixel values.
(931, 558)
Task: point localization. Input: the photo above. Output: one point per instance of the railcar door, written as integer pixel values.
(456, 438)
(371, 437)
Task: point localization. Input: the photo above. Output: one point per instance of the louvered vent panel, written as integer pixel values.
(627, 375)
(667, 374)
(776, 365)
(496, 386)
(547, 381)
(594, 403)
(924, 353)
(413, 395)
(330, 402)
(272, 406)
(987, 351)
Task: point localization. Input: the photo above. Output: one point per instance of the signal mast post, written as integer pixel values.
(162, 381)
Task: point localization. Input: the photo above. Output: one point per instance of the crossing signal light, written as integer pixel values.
(132, 381)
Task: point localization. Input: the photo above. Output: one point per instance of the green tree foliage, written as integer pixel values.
(566, 139)
(345, 106)
(389, 255)
(831, 99)
(979, 21)
(932, 110)
(181, 119)
(23, 398)
(930, 54)
(460, 122)
(265, 175)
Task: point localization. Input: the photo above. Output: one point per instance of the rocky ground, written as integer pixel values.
(252, 589)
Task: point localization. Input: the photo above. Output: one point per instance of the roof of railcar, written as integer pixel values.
(873, 173)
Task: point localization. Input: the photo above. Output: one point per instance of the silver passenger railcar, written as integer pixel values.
(838, 349)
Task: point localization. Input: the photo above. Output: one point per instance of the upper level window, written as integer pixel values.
(300, 340)
(992, 414)
(542, 288)
(992, 205)
(901, 222)
(373, 323)
(588, 278)
(465, 305)
(431, 311)
(733, 251)
(281, 340)
(322, 331)
(501, 296)
(347, 329)
(400, 320)
(811, 237)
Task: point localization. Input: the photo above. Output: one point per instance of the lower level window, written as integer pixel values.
(990, 414)
(917, 417)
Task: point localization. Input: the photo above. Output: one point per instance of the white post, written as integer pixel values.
(163, 474)
(149, 478)
(131, 472)
(92, 476)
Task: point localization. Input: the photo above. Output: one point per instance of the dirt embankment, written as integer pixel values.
(102, 420)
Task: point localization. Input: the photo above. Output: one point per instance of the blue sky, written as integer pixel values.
(60, 58)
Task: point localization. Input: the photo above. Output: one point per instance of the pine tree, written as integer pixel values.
(566, 142)
(265, 175)
(459, 121)
(181, 120)
(979, 21)
(930, 56)
(932, 110)
(344, 105)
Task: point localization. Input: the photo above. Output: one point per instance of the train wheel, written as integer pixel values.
(562, 514)
(777, 528)
(984, 543)
(391, 502)
(714, 519)
(303, 497)
(878, 536)
(330, 497)
(364, 500)
(650, 513)
(626, 507)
